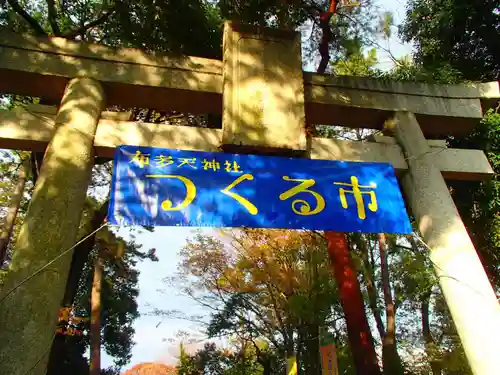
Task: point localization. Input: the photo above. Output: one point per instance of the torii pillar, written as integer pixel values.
(465, 285)
(28, 312)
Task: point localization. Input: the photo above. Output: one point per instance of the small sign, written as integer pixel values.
(329, 360)
(164, 187)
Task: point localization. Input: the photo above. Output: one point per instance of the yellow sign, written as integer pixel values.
(291, 366)
(329, 360)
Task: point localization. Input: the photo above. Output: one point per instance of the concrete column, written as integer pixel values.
(28, 315)
(468, 292)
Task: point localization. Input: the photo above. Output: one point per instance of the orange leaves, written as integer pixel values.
(276, 270)
(149, 368)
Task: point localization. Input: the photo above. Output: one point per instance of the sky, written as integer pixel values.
(155, 337)
(394, 44)
(152, 333)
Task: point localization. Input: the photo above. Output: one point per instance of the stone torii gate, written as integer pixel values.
(266, 101)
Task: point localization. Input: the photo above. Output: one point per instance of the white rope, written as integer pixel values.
(445, 274)
(51, 262)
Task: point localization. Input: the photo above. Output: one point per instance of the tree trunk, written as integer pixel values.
(308, 354)
(267, 368)
(81, 255)
(312, 347)
(264, 359)
(95, 318)
(78, 261)
(370, 288)
(15, 203)
(390, 357)
(358, 330)
(301, 352)
(36, 160)
(291, 358)
(430, 346)
(310, 343)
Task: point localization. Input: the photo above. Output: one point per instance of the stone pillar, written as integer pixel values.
(29, 314)
(466, 288)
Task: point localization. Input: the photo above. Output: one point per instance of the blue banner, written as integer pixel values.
(163, 187)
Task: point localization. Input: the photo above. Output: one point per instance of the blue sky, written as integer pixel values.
(395, 45)
(154, 334)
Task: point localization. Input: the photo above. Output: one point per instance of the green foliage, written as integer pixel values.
(479, 202)
(386, 22)
(246, 359)
(207, 360)
(120, 282)
(11, 163)
(189, 27)
(272, 13)
(460, 32)
(119, 306)
(272, 289)
(356, 64)
(407, 70)
(453, 357)
(411, 271)
(350, 23)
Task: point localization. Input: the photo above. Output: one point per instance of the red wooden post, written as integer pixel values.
(358, 330)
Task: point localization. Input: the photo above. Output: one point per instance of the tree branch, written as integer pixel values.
(368, 277)
(376, 44)
(387, 50)
(52, 17)
(98, 21)
(326, 38)
(25, 15)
